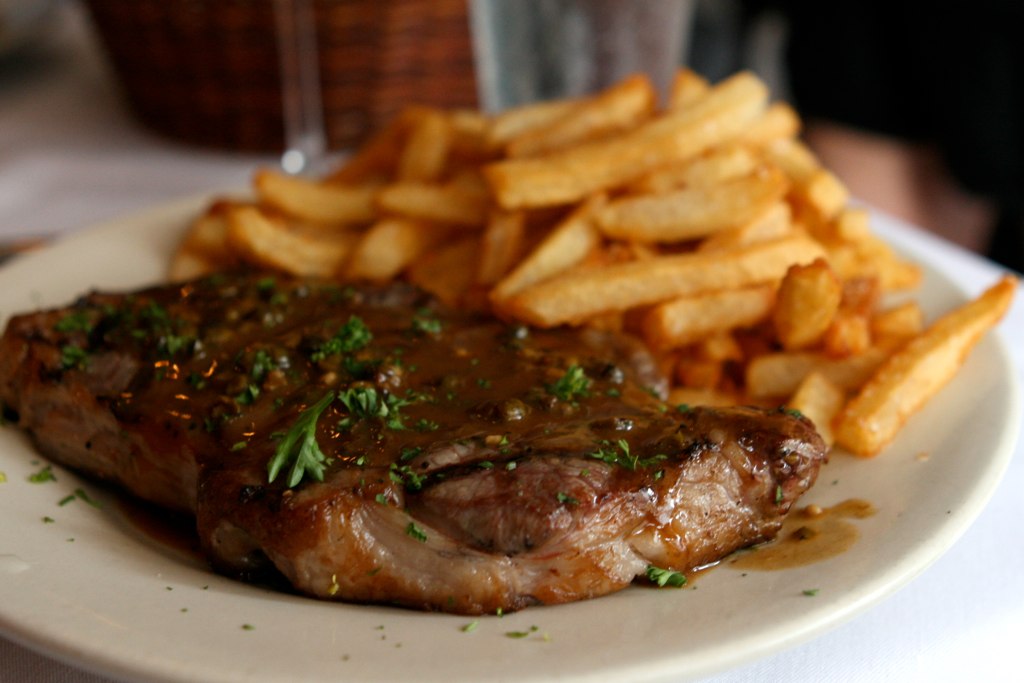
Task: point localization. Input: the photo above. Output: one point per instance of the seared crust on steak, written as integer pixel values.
(470, 465)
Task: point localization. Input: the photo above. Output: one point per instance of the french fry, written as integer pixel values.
(819, 400)
(443, 272)
(501, 246)
(808, 300)
(774, 223)
(687, 87)
(390, 246)
(449, 204)
(426, 148)
(692, 212)
(568, 244)
(691, 318)
(525, 118)
(915, 373)
(378, 156)
(904, 320)
(576, 296)
(778, 122)
(187, 264)
(849, 334)
(269, 242)
(314, 201)
(716, 166)
(618, 108)
(568, 176)
(779, 374)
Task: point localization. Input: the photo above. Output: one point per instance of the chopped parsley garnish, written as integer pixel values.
(3, 477)
(248, 395)
(72, 356)
(520, 634)
(811, 592)
(665, 577)
(409, 452)
(239, 445)
(792, 412)
(77, 321)
(470, 627)
(424, 425)
(778, 494)
(299, 446)
(353, 336)
(381, 498)
(574, 383)
(619, 454)
(364, 402)
(404, 475)
(43, 475)
(48, 520)
(416, 532)
(566, 499)
(262, 364)
(683, 408)
(425, 322)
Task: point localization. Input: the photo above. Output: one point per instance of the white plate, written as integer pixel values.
(115, 601)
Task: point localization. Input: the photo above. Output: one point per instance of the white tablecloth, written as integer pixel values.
(70, 156)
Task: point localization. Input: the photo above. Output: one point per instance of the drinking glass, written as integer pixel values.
(528, 50)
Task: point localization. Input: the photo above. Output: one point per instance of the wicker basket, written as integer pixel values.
(207, 71)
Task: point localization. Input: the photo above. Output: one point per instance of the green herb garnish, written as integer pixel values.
(299, 446)
(353, 336)
(574, 383)
(77, 321)
(72, 356)
(43, 475)
(425, 322)
(566, 499)
(665, 577)
(619, 454)
(416, 532)
(811, 592)
(404, 475)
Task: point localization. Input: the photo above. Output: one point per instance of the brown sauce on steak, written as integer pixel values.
(369, 444)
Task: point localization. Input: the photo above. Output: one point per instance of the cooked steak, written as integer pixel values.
(370, 445)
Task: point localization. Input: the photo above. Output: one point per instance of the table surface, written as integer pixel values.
(71, 156)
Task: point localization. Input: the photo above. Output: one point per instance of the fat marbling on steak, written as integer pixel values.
(371, 445)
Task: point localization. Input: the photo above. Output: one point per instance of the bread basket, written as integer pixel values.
(207, 71)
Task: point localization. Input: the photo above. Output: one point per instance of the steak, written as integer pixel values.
(368, 444)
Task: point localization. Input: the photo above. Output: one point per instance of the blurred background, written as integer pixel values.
(111, 105)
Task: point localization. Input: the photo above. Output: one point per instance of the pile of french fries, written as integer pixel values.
(704, 226)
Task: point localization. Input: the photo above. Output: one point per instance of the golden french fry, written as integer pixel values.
(687, 87)
(717, 165)
(443, 272)
(390, 246)
(915, 373)
(779, 121)
(469, 135)
(848, 334)
(314, 201)
(566, 245)
(774, 223)
(525, 118)
(809, 297)
(689, 319)
(501, 246)
(573, 297)
(187, 264)
(779, 374)
(568, 176)
(693, 211)
(208, 234)
(450, 204)
(378, 156)
(818, 189)
(871, 258)
(426, 148)
(820, 400)
(905, 320)
(618, 108)
(267, 241)
(699, 373)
